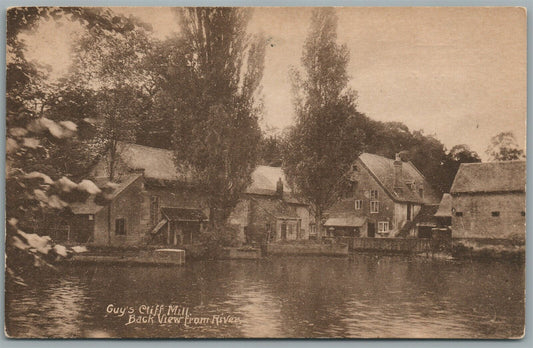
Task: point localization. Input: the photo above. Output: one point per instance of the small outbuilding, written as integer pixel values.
(488, 200)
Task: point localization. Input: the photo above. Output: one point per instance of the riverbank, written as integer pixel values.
(156, 257)
(458, 249)
(361, 296)
(471, 249)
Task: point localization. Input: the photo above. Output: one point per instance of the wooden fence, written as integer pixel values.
(399, 245)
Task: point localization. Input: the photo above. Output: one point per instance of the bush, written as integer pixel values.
(215, 240)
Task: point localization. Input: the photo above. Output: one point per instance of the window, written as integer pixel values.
(421, 192)
(290, 228)
(358, 204)
(383, 226)
(354, 168)
(350, 189)
(271, 235)
(91, 217)
(459, 213)
(495, 213)
(374, 207)
(312, 229)
(120, 226)
(374, 194)
(154, 210)
(523, 213)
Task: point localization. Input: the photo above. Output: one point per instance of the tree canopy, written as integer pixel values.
(504, 147)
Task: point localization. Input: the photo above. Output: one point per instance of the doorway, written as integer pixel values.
(371, 229)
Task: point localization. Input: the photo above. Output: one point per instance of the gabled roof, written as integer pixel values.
(156, 163)
(505, 176)
(445, 206)
(90, 206)
(159, 167)
(264, 183)
(382, 169)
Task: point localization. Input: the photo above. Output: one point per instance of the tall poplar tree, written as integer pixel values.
(325, 141)
(217, 130)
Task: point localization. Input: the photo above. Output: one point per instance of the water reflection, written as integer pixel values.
(363, 296)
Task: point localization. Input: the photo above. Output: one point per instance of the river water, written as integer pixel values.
(360, 296)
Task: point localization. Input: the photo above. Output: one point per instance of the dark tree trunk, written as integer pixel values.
(318, 222)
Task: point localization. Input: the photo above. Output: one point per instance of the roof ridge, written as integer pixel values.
(262, 165)
(494, 162)
(150, 148)
(375, 155)
(417, 170)
(497, 176)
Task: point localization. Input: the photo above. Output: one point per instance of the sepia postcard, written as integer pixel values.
(269, 172)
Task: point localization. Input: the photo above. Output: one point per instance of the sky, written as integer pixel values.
(456, 73)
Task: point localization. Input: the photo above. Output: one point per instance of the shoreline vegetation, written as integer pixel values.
(459, 251)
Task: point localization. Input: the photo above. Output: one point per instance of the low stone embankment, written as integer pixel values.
(307, 248)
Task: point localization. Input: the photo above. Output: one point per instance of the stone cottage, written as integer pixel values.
(269, 210)
(151, 200)
(382, 198)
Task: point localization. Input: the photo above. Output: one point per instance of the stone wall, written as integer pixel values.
(477, 220)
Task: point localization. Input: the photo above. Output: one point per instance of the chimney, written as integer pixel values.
(398, 172)
(279, 188)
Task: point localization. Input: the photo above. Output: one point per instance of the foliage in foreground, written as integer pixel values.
(46, 125)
